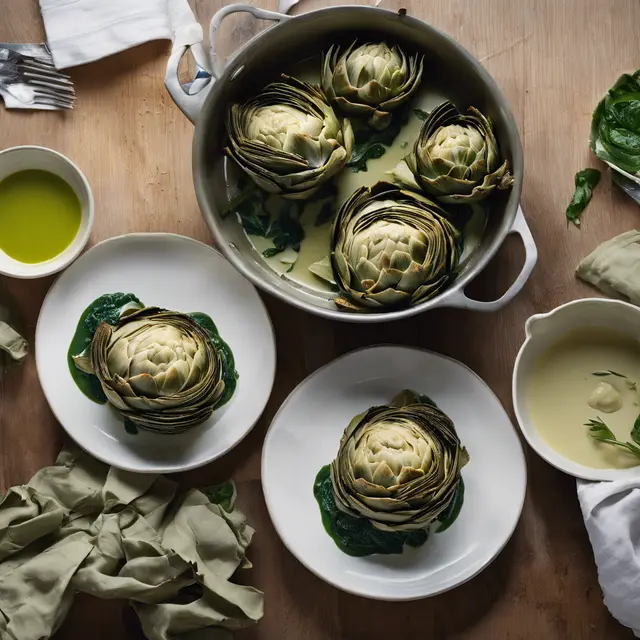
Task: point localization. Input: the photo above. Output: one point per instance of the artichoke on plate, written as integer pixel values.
(159, 368)
(398, 465)
(370, 80)
(456, 158)
(391, 247)
(288, 138)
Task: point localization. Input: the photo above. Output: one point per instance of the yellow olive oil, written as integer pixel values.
(40, 215)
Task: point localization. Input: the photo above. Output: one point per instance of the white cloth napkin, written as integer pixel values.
(611, 513)
(80, 31)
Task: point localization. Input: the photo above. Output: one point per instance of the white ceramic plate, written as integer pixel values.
(177, 273)
(305, 434)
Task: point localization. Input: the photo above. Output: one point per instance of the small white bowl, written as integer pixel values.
(31, 157)
(543, 330)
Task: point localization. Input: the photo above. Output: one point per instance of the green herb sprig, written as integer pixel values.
(608, 372)
(600, 431)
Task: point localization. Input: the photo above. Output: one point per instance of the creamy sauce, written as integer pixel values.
(562, 384)
(315, 246)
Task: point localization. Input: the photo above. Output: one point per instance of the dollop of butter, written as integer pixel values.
(605, 398)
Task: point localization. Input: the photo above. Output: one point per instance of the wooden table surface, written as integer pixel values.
(553, 60)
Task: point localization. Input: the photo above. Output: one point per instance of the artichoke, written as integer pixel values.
(398, 465)
(159, 368)
(288, 138)
(371, 80)
(456, 158)
(391, 247)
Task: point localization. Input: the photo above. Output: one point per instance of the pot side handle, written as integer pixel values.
(190, 96)
(260, 14)
(520, 227)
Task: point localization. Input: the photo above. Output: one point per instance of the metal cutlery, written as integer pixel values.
(32, 79)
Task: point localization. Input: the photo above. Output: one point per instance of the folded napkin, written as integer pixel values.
(13, 347)
(80, 31)
(82, 526)
(614, 267)
(611, 513)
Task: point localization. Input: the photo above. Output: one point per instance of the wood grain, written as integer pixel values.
(553, 60)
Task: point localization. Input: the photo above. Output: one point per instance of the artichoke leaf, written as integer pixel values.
(322, 269)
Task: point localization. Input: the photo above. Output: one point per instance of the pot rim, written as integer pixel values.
(453, 296)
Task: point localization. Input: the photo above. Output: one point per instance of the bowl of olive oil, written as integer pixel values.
(46, 211)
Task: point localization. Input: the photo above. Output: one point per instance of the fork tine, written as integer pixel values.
(38, 62)
(64, 91)
(53, 102)
(48, 93)
(50, 78)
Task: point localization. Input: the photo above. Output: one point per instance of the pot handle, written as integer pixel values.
(260, 14)
(459, 299)
(190, 96)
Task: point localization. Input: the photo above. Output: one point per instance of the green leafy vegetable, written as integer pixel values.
(421, 114)
(635, 432)
(286, 231)
(372, 144)
(585, 182)
(357, 536)
(221, 494)
(600, 431)
(615, 126)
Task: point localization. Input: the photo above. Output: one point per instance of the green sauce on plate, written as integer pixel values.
(40, 215)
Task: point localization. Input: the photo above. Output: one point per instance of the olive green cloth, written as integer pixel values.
(614, 267)
(13, 347)
(82, 526)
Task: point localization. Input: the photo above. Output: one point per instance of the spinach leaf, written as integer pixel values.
(372, 144)
(585, 181)
(285, 231)
(615, 126)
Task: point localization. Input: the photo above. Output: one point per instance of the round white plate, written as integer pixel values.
(177, 273)
(305, 434)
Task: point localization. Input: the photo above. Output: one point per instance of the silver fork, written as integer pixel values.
(36, 96)
(34, 80)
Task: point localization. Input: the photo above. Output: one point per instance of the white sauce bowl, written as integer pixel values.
(543, 330)
(31, 157)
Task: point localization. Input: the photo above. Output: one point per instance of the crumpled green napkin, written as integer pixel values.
(13, 347)
(82, 526)
(614, 267)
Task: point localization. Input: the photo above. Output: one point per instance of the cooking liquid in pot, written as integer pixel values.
(315, 245)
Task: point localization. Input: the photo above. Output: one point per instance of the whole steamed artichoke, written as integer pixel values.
(288, 138)
(371, 80)
(456, 158)
(159, 368)
(398, 464)
(391, 247)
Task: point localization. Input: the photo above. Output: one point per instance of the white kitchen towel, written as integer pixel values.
(80, 31)
(611, 513)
